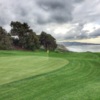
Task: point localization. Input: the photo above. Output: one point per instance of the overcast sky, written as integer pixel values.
(66, 20)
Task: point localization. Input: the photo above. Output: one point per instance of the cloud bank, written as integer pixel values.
(64, 19)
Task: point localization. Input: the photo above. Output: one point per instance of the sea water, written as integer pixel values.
(84, 48)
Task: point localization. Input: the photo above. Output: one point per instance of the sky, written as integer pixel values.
(66, 20)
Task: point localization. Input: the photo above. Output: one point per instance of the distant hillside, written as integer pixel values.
(77, 43)
(61, 48)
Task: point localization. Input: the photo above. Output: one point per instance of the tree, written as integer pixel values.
(48, 41)
(21, 30)
(32, 41)
(15, 41)
(27, 38)
(5, 40)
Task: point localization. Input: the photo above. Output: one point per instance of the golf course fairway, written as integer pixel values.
(54, 76)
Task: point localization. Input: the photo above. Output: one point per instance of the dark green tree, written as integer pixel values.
(48, 41)
(15, 41)
(27, 38)
(5, 40)
(32, 41)
(21, 30)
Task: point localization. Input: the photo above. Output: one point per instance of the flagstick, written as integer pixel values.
(48, 54)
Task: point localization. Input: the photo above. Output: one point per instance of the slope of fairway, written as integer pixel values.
(77, 80)
(18, 67)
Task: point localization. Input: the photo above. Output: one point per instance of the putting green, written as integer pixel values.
(19, 67)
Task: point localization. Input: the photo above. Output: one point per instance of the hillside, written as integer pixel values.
(77, 43)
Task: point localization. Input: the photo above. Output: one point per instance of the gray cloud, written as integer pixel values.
(57, 11)
(94, 34)
(41, 14)
(36, 11)
(87, 11)
(78, 1)
(77, 32)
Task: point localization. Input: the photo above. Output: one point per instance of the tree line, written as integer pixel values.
(27, 38)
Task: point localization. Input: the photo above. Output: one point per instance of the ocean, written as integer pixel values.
(84, 48)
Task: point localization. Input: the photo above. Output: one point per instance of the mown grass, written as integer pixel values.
(60, 76)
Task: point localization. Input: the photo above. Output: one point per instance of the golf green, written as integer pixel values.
(16, 68)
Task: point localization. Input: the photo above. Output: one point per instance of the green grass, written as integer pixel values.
(57, 76)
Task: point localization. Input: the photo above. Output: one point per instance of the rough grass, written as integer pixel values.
(38, 76)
